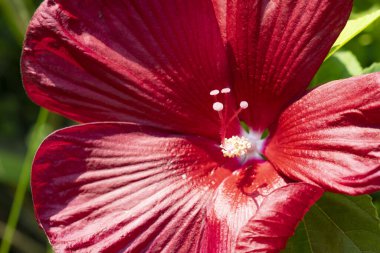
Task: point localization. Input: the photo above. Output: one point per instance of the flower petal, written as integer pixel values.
(331, 137)
(148, 62)
(277, 218)
(277, 47)
(112, 187)
(115, 187)
(236, 200)
(256, 210)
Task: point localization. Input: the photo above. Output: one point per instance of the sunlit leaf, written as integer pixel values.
(351, 63)
(338, 224)
(353, 28)
(375, 67)
(342, 64)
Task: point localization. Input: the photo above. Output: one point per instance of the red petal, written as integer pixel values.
(279, 214)
(112, 188)
(277, 47)
(148, 62)
(331, 137)
(236, 200)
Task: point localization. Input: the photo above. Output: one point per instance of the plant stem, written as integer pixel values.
(23, 183)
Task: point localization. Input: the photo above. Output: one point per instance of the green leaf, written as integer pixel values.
(341, 65)
(353, 28)
(23, 181)
(350, 62)
(17, 13)
(376, 200)
(375, 67)
(11, 161)
(338, 224)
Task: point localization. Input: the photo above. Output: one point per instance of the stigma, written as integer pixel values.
(235, 146)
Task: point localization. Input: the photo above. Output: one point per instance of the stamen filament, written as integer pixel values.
(243, 105)
(219, 107)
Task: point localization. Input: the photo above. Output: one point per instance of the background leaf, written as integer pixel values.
(338, 224)
(353, 28)
(375, 67)
(342, 64)
(17, 13)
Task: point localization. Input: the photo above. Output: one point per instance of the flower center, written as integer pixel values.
(249, 145)
(235, 146)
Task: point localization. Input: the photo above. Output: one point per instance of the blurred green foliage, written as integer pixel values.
(18, 114)
(366, 46)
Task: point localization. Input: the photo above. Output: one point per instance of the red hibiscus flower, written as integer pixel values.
(170, 169)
